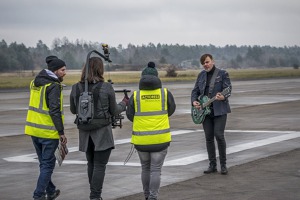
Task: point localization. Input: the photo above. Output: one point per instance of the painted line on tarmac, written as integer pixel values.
(237, 148)
(33, 157)
(186, 160)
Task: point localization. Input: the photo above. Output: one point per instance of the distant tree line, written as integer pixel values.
(18, 57)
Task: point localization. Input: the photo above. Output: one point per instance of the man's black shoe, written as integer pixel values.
(211, 169)
(224, 170)
(40, 198)
(53, 196)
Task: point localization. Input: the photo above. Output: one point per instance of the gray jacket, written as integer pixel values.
(102, 137)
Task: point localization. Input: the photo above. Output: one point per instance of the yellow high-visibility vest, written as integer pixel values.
(151, 121)
(38, 121)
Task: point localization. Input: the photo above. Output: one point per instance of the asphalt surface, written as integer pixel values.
(262, 133)
(273, 178)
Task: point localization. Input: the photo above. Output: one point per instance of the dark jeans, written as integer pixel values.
(97, 161)
(45, 149)
(214, 128)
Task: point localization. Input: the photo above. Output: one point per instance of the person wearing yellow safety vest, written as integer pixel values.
(149, 109)
(44, 123)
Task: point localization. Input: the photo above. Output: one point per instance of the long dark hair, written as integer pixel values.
(96, 71)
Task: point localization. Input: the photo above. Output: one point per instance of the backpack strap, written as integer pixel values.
(212, 82)
(79, 90)
(80, 87)
(95, 91)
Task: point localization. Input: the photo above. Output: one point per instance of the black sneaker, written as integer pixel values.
(53, 196)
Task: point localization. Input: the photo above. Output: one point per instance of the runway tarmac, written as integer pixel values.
(264, 123)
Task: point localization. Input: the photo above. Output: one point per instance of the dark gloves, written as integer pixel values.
(126, 100)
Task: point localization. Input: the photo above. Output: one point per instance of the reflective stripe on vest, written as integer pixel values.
(39, 122)
(151, 121)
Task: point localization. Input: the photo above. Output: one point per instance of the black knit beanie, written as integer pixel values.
(150, 70)
(54, 63)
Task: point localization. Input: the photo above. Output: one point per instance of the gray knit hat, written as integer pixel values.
(150, 70)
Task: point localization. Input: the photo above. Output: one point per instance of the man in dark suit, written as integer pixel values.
(210, 83)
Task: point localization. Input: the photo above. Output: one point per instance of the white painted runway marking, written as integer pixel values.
(237, 148)
(287, 135)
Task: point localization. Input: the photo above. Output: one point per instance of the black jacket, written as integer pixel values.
(222, 81)
(105, 107)
(102, 137)
(52, 97)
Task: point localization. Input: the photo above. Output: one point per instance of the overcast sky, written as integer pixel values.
(188, 22)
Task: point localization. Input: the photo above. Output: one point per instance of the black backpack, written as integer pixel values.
(86, 108)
